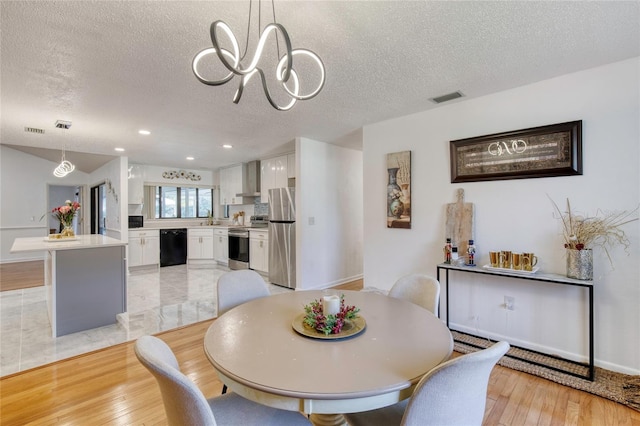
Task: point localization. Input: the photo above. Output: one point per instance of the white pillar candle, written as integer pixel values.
(330, 305)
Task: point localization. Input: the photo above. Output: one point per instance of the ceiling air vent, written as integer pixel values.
(447, 97)
(34, 130)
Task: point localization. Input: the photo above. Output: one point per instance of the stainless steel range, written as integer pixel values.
(238, 248)
(239, 242)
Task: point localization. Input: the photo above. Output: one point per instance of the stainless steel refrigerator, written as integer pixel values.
(282, 237)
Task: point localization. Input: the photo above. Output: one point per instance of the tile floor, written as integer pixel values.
(158, 300)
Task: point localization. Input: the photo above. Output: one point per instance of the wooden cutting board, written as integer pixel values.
(460, 223)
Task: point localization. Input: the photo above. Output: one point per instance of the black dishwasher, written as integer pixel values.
(173, 247)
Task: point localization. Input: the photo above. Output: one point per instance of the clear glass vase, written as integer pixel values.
(67, 230)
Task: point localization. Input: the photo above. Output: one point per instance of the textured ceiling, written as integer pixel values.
(113, 67)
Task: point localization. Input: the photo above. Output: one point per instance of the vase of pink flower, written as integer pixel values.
(65, 215)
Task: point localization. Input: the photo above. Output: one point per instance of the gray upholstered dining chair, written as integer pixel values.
(453, 393)
(185, 404)
(420, 289)
(238, 287)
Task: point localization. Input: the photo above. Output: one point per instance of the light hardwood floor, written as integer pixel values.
(110, 387)
(18, 275)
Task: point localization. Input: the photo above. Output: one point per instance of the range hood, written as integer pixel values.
(251, 183)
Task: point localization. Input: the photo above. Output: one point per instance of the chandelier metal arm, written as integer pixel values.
(231, 59)
(236, 66)
(196, 61)
(294, 94)
(246, 78)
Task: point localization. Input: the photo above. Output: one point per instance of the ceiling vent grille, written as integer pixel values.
(447, 97)
(34, 130)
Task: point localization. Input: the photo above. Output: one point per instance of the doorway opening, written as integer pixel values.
(99, 209)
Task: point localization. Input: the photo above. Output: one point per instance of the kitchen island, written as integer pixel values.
(85, 279)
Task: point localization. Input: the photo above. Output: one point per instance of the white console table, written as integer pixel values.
(544, 277)
(85, 280)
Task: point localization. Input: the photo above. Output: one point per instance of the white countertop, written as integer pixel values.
(21, 245)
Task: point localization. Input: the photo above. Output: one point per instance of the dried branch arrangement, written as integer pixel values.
(602, 230)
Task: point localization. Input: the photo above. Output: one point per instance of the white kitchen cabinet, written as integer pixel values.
(267, 173)
(281, 172)
(273, 174)
(221, 245)
(259, 250)
(291, 165)
(232, 183)
(136, 185)
(200, 244)
(144, 248)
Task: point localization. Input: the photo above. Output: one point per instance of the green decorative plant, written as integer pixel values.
(330, 324)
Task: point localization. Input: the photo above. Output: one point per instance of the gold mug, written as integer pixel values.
(516, 261)
(529, 261)
(494, 259)
(505, 259)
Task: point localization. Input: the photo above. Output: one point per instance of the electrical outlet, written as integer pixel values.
(509, 303)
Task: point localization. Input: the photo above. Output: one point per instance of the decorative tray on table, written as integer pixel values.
(329, 318)
(511, 271)
(57, 239)
(350, 328)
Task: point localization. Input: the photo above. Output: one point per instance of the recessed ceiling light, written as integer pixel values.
(227, 146)
(120, 149)
(190, 158)
(144, 132)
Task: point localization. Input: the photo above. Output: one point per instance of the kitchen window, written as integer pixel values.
(174, 202)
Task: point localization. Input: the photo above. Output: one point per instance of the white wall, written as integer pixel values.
(328, 191)
(518, 215)
(23, 195)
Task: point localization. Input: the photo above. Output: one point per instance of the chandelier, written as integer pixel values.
(232, 60)
(65, 167)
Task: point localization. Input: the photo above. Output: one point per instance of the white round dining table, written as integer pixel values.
(258, 354)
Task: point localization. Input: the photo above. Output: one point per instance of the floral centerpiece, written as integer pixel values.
(581, 233)
(328, 324)
(65, 215)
